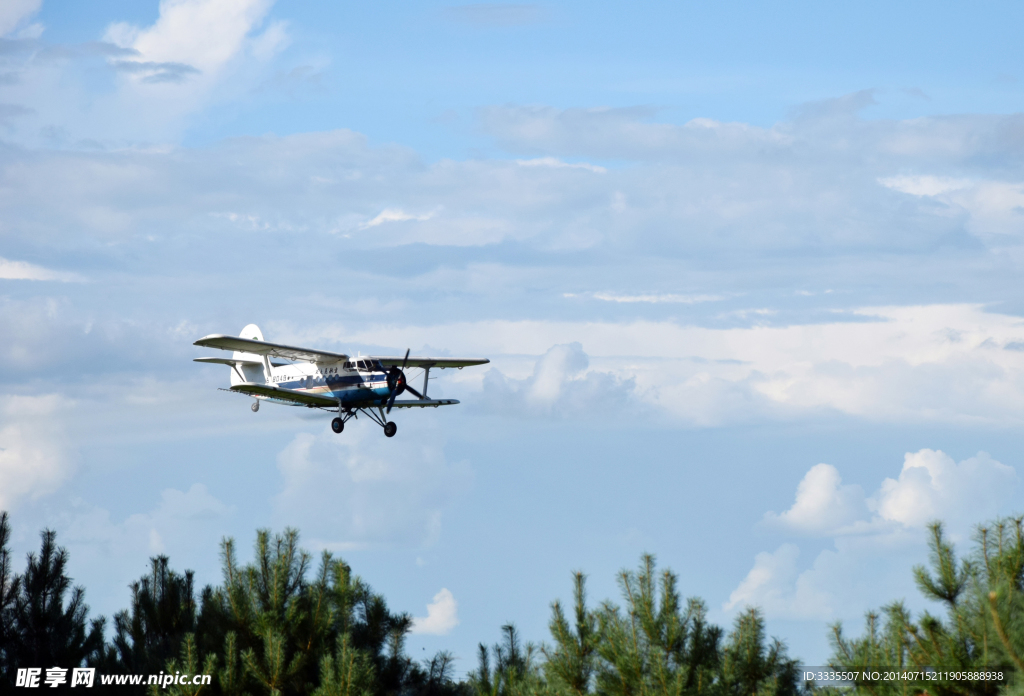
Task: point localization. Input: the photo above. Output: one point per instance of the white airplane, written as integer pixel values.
(326, 380)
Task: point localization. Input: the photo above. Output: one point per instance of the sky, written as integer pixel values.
(748, 277)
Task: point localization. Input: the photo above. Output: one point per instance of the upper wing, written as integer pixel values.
(272, 392)
(247, 345)
(432, 362)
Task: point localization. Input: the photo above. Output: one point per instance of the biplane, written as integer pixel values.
(322, 379)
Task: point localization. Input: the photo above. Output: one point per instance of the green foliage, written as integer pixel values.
(10, 587)
(752, 665)
(277, 632)
(655, 645)
(41, 629)
(346, 672)
(151, 631)
(273, 627)
(570, 664)
(982, 630)
(187, 663)
(515, 671)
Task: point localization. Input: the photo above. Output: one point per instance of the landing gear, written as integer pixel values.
(255, 406)
(376, 415)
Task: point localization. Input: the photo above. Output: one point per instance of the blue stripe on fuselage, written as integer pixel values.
(349, 389)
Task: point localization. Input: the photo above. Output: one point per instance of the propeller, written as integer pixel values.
(398, 383)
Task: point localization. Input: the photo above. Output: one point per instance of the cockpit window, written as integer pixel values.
(362, 364)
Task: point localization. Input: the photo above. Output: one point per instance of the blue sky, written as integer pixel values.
(748, 278)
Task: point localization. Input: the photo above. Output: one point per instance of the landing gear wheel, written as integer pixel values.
(337, 425)
(255, 406)
(390, 429)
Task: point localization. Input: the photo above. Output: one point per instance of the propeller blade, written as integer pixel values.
(401, 383)
(408, 388)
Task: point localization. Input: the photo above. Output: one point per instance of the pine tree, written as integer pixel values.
(48, 632)
(570, 664)
(275, 631)
(983, 628)
(346, 672)
(751, 666)
(10, 586)
(653, 646)
(515, 671)
(162, 613)
(885, 646)
(273, 624)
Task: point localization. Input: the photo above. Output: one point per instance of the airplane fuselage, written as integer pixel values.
(356, 382)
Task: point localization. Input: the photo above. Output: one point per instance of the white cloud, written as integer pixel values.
(880, 532)
(442, 616)
(205, 34)
(936, 363)
(933, 486)
(823, 504)
(14, 12)
(360, 488)
(556, 163)
(656, 299)
(560, 384)
(924, 185)
(775, 585)
(34, 457)
(21, 270)
(396, 215)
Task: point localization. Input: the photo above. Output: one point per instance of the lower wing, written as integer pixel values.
(296, 397)
(316, 400)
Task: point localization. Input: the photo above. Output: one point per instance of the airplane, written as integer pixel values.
(326, 380)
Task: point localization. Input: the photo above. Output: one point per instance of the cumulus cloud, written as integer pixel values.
(823, 505)
(776, 586)
(197, 53)
(205, 34)
(561, 384)
(879, 531)
(360, 488)
(936, 363)
(442, 616)
(35, 459)
(933, 486)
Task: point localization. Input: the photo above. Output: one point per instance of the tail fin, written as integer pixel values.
(251, 372)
